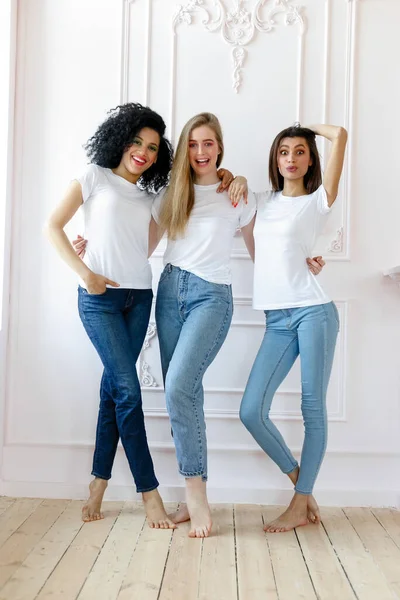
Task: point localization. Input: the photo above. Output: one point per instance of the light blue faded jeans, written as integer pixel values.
(193, 318)
(310, 332)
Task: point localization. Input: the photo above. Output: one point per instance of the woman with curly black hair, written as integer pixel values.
(130, 159)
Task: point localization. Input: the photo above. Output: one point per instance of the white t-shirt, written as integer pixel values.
(206, 246)
(116, 224)
(285, 233)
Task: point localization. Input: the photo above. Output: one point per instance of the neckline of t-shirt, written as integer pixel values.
(124, 181)
(292, 197)
(212, 186)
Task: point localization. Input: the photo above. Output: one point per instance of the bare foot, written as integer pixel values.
(294, 516)
(198, 508)
(313, 514)
(92, 509)
(181, 515)
(157, 518)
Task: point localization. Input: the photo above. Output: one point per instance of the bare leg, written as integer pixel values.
(157, 518)
(198, 507)
(294, 516)
(92, 509)
(313, 513)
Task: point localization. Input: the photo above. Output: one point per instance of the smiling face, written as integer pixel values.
(203, 152)
(140, 155)
(293, 157)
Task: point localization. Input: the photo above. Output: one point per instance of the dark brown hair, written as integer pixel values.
(313, 177)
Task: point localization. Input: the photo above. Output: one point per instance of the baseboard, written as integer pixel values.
(175, 493)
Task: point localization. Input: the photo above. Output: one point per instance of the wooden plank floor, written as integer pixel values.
(46, 552)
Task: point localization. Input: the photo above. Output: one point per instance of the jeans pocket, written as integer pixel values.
(84, 292)
(222, 291)
(164, 273)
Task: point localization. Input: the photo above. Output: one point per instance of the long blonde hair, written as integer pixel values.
(179, 197)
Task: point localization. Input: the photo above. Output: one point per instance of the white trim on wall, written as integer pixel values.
(8, 20)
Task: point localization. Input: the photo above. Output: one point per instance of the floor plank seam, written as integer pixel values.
(368, 551)
(38, 541)
(99, 552)
(269, 554)
(236, 557)
(383, 527)
(31, 513)
(200, 566)
(340, 562)
(133, 554)
(166, 559)
(65, 551)
(305, 562)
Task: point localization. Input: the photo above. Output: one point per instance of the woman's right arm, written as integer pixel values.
(54, 229)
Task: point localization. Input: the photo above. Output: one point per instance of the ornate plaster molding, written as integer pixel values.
(238, 25)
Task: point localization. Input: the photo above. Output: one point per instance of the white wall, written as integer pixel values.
(8, 22)
(335, 62)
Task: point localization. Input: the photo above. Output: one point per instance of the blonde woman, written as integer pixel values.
(194, 299)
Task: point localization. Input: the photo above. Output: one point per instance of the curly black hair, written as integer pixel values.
(114, 136)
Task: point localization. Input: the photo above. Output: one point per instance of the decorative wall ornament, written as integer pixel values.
(239, 24)
(146, 378)
(336, 245)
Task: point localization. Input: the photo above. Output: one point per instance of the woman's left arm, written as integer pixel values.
(338, 136)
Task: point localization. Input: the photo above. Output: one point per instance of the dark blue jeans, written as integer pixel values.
(116, 323)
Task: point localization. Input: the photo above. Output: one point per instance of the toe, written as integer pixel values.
(170, 524)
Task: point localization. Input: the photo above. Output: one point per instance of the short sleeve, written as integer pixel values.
(322, 201)
(262, 198)
(89, 181)
(248, 210)
(157, 206)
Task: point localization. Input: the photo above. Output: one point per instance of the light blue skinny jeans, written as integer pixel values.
(193, 318)
(310, 332)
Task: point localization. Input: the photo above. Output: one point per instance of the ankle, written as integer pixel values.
(196, 484)
(152, 495)
(299, 501)
(98, 482)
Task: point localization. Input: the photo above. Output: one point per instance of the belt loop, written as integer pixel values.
(169, 267)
